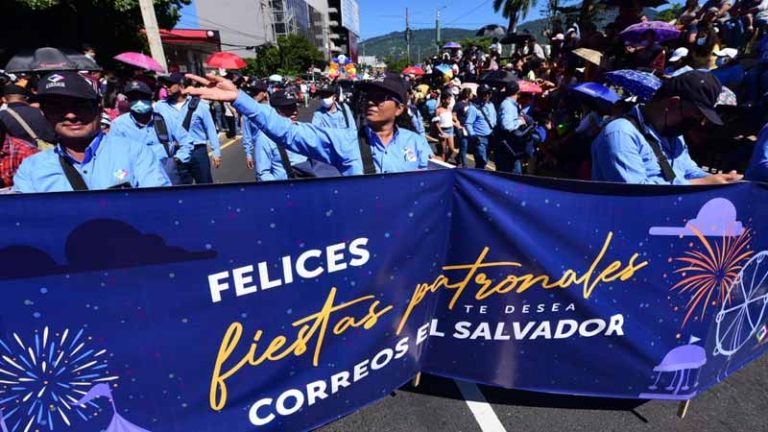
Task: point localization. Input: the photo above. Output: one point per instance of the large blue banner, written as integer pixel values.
(285, 306)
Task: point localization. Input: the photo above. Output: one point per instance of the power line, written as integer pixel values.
(468, 12)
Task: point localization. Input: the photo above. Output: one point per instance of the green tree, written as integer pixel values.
(396, 64)
(266, 62)
(484, 43)
(514, 10)
(110, 26)
(669, 14)
(297, 54)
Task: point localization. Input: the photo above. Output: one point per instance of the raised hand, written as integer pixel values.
(216, 88)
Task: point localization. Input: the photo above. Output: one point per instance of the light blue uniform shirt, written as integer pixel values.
(758, 165)
(263, 151)
(620, 153)
(341, 119)
(202, 129)
(471, 118)
(481, 126)
(417, 120)
(109, 161)
(125, 126)
(509, 115)
(407, 151)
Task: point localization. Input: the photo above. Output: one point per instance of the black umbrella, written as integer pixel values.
(640, 3)
(50, 59)
(492, 30)
(498, 78)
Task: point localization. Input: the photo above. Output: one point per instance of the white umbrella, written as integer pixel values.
(276, 78)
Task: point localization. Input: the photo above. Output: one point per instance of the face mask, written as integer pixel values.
(141, 106)
(327, 102)
(701, 41)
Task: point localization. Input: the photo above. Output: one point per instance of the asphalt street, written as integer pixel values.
(738, 404)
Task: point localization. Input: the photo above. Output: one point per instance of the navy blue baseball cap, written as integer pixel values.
(283, 98)
(67, 83)
(138, 87)
(174, 78)
(391, 83)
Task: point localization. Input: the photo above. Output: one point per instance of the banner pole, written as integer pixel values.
(682, 409)
(416, 380)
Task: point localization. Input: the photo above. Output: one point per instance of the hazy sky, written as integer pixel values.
(378, 17)
(376, 20)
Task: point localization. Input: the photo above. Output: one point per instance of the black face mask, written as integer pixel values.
(174, 96)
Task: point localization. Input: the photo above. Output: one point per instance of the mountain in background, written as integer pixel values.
(423, 40)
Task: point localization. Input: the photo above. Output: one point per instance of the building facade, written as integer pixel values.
(244, 25)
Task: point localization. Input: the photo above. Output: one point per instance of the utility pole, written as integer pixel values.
(437, 31)
(153, 32)
(408, 34)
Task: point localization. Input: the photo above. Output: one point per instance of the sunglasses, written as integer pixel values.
(379, 98)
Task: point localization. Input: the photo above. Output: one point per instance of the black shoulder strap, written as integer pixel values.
(73, 176)
(661, 158)
(365, 151)
(193, 103)
(285, 161)
(485, 116)
(343, 108)
(161, 129)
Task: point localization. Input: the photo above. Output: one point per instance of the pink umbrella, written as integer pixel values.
(530, 87)
(139, 60)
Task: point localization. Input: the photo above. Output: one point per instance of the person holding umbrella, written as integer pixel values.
(646, 146)
(379, 147)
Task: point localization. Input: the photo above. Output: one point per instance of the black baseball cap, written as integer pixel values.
(13, 89)
(138, 87)
(256, 86)
(282, 98)
(512, 87)
(327, 90)
(699, 88)
(391, 83)
(67, 83)
(173, 78)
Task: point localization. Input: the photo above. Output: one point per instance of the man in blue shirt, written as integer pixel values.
(333, 113)
(200, 126)
(417, 120)
(647, 146)
(259, 91)
(510, 154)
(382, 148)
(758, 165)
(483, 122)
(160, 133)
(83, 157)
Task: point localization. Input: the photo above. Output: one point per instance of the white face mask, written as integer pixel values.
(327, 102)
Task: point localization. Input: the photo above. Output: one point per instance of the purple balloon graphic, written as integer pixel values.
(118, 423)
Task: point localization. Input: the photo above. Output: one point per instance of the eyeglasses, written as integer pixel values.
(379, 98)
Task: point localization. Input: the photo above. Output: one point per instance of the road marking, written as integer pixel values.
(481, 409)
(226, 144)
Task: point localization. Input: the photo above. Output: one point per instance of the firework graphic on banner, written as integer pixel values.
(43, 378)
(710, 270)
